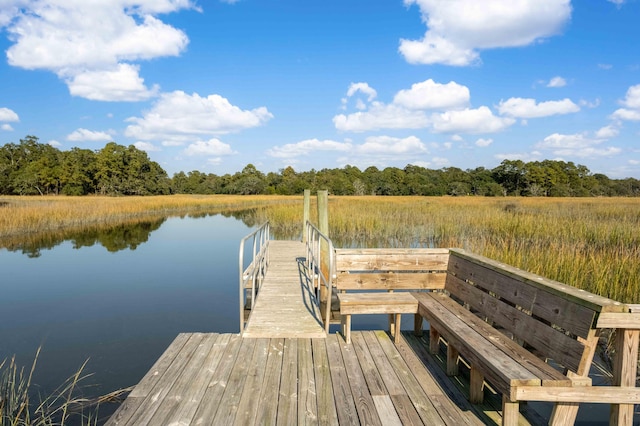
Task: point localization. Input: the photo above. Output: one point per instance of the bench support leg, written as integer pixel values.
(476, 384)
(346, 327)
(434, 340)
(394, 326)
(417, 325)
(452, 361)
(510, 412)
(564, 413)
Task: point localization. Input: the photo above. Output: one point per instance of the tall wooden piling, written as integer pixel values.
(323, 226)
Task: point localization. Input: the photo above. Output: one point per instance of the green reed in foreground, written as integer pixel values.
(19, 406)
(589, 243)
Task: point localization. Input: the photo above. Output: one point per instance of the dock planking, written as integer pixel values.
(285, 306)
(224, 379)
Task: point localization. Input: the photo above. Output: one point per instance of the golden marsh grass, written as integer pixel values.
(590, 243)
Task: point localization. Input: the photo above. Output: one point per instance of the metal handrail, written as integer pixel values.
(256, 269)
(315, 239)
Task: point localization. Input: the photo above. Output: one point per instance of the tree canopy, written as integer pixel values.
(32, 168)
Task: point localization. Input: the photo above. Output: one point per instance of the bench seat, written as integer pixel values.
(394, 304)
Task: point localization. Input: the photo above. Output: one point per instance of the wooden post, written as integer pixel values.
(305, 215)
(323, 226)
(625, 366)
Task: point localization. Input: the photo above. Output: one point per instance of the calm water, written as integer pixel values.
(118, 299)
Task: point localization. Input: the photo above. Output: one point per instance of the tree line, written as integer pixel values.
(32, 168)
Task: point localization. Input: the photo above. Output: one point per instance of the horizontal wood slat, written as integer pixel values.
(515, 288)
(392, 260)
(390, 281)
(549, 341)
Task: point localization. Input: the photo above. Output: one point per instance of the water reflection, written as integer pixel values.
(118, 296)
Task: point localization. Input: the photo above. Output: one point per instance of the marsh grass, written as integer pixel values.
(20, 405)
(589, 243)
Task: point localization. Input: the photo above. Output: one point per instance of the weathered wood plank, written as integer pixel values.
(589, 300)
(345, 405)
(288, 395)
(502, 371)
(413, 390)
(268, 405)
(549, 306)
(627, 320)
(377, 303)
(369, 369)
(228, 406)
(210, 401)
(162, 387)
(327, 414)
(550, 342)
(390, 281)
(392, 260)
(253, 384)
(548, 375)
(362, 398)
(307, 402)
(386, 410)
(185, 387)
(389, 377)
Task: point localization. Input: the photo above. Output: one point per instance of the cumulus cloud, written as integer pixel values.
(607, 132)
(212, 147)
(631, 105)
(92, 45)
(84, 135)
(307, 147)
(480, 120)
(123, 83)
(431, 95)
(579, 145)
(8, 116)
(457, 30)
(177, 117)
(392, 146)
(381, 116)
(557, 82)
(484, 142)
(528, 108)
(6, 127)
(146, 146)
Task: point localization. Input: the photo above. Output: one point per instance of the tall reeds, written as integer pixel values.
(589, 243)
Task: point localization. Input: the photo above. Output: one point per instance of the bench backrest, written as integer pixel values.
(390, 269)
(556, 319)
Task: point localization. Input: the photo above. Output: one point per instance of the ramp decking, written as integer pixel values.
(285, 306)
(223, 379)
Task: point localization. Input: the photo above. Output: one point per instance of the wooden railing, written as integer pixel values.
(251, 276)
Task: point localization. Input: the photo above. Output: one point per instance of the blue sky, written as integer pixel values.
(214, 85)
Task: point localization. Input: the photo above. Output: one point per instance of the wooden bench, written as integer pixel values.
(506, 323)
(377, 281)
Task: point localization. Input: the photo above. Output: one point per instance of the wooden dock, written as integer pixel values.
(223, 379)
(286, 306)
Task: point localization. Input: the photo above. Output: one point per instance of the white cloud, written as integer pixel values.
(212, 147)
(484, 142)
(176, 117)
(576, 145)
(307, 147)
(54, 143)
(363, 88)
(381, 116)
(8, 116)
(557, 82)
(120, 84)
(607, 132)
(456, 30)
(528, 108)
(480, 120)
(617, 2)
(631, 104)
(391, 146)
(146, 146)
(84, 135)
(6, 127)
(431, 95)
(605, 67)
(91, 44)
